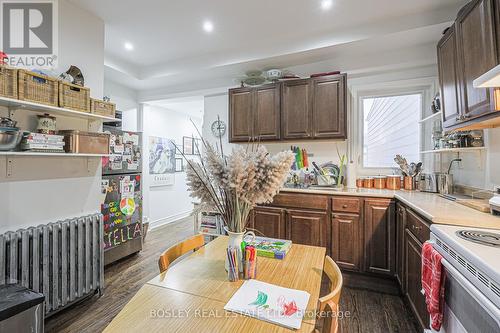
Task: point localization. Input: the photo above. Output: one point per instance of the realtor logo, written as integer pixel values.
(29, 33)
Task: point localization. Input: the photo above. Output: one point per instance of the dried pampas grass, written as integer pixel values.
(233, 185)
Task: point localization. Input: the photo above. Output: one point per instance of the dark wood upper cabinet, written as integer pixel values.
(448, 78)
(306, 227)
(241, 118)
(470, 48)
(329, 107)
(346, 246)
(379, 236)
(296, 112)
(477, 54)
(302, 109)
(268, 221)
(254, 113)
(267, 112)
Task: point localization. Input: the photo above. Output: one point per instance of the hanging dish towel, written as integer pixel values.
(433, 278)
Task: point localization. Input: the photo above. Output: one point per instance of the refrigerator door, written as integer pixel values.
(122, 210)
(125, 153)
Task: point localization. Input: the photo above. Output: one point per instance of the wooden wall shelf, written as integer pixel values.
(28, 153)
(15, 104)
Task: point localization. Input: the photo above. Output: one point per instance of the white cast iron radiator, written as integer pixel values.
(62, 260)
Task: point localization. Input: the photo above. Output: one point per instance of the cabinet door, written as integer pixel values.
(413, 267)
(346, 247)
(269, 221)
(267, 112)
(448, 79)
(400, 240)
(379, 237)
(306, 227)
(477, 54)
(296, 116)
(329, 107)
(240, 115)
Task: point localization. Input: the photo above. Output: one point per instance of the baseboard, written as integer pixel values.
(169, 219)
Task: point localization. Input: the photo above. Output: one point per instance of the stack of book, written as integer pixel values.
(271, 247)
(46, 143)
(211, 223)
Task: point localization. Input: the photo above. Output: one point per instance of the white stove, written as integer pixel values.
(472, 263)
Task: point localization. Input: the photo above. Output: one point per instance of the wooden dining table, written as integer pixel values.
(190, 296)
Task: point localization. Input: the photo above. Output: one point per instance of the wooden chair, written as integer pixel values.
(177, 250)
(329, 304)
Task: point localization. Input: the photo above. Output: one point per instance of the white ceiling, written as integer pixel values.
(192, 106)
(171, 48)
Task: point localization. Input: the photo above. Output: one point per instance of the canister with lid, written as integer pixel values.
(393, 182)
(379, 182)
(368, 182)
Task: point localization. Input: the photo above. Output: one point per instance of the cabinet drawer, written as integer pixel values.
(417, 226)
(346, 205)
(298, 200)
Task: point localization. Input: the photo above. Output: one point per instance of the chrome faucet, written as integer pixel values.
(451, 163)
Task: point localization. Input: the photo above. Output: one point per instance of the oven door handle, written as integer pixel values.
(473, 291)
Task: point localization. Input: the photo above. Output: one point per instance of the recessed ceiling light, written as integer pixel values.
(208, 26)
(326, 4)
(128, 46)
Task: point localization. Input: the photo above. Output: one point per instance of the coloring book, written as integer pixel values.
(271, 247)
(268, 302)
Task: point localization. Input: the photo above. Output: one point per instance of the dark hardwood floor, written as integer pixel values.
(368, 311)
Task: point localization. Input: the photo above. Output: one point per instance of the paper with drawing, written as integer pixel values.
(264, 301)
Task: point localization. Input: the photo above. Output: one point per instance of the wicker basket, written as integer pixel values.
(38, 88)
(8, 82)
(102, 108)
(74, 97)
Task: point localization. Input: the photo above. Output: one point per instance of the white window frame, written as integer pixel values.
(386, 170)
(427, 86)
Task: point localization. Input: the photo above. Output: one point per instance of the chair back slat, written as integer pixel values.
(177, 250)
(329, 304)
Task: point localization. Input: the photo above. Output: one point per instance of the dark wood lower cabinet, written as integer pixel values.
(306, 227)
(373, 239)
(268, 222)
(346, 249)
(413, 271)
(400, 242)
(380, 236)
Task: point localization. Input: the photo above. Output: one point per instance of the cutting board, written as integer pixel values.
(481, 205)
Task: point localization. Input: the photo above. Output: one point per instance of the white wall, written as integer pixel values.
(124, 97)
(81, 43)
(41, 190)
(478, 169)
(166, 203)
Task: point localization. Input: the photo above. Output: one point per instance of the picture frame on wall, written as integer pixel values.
(179, 165)
(197, 146)
(162, 161)
(187, 145)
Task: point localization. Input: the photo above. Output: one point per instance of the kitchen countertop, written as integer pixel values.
(429, 205)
